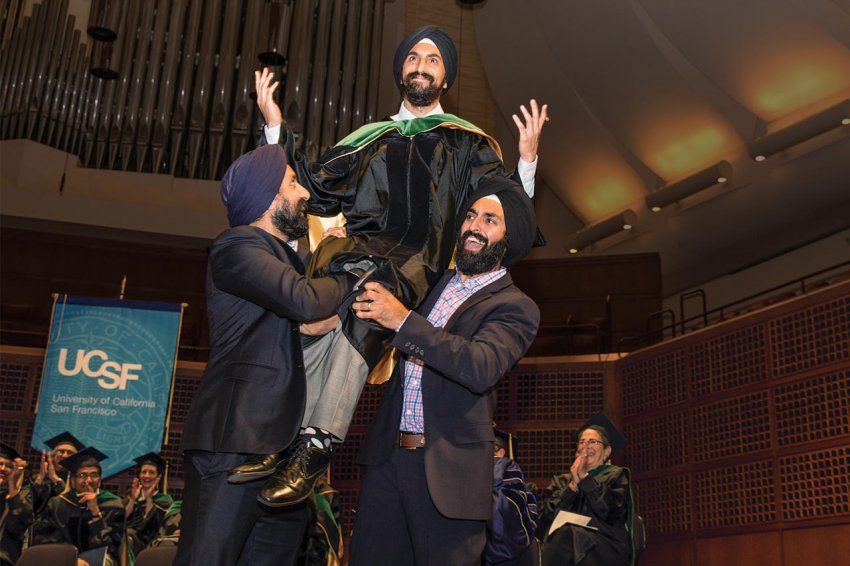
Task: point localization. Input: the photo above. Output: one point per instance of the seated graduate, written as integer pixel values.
(511, 532)
(169, 531)
(15, 504)
(597, 490)
(146, 506)
(85, 516)
(52, 476)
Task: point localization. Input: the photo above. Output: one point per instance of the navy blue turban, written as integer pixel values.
(444, 43)
(251, 183)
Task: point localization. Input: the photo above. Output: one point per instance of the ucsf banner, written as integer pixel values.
(107, 376)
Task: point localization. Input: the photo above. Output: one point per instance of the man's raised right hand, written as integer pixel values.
(265, 97)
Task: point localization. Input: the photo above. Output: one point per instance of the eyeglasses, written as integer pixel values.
(590, 442)
(88, 476)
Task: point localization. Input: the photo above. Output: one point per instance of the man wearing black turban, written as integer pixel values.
(425, 494)
(399, 184)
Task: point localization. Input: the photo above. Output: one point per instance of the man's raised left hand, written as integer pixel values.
(529, 131)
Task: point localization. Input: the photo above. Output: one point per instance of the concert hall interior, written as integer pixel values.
(692, 187)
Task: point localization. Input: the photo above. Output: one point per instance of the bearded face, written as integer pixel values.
(474, 254)
(420, 88)
(291, 218)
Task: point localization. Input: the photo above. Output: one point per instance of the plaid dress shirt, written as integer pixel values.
(453, 295)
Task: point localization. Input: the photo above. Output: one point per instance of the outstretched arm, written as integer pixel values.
(529, 129)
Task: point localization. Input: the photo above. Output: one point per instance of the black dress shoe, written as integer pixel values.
(293, 481)
(256, 468)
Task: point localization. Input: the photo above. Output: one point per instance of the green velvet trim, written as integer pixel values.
(370, 132)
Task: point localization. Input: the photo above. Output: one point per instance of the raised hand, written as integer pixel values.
(39, 478)
(265, 97)
(135, 489)
(529, 130)
(89, 499)
(51, 469)
(15, 478)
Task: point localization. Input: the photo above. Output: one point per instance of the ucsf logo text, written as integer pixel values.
(109, 375)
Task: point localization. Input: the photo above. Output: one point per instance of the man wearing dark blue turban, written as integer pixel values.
(252, 393)
(399, 184)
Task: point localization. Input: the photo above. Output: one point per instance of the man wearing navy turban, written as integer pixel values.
(399, 184)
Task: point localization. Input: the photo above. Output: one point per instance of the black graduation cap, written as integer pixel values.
(89, 456)
(8, 451)
(64, 438)
(506, 440)
(600, 419)
(153, 459)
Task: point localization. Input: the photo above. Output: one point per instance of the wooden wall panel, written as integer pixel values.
(822, 546)
(740, 434)
(759, 548)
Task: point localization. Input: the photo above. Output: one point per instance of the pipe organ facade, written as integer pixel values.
(166, 86)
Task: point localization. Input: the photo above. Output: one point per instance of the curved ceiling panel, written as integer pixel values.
(658, 118)
(644, 92)
(592, 175)
(765, 53)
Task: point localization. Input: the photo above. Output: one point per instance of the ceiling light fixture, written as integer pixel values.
(718, 173)
(816, 124)
(596, 232)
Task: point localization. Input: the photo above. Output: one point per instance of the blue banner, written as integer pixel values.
(107, 376)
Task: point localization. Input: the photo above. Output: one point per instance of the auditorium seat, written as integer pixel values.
(156, 556)
(53, 554)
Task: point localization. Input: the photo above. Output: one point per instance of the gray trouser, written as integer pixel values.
(336, 373)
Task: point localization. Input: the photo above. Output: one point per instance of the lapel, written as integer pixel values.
(480, 295)
(283, 251)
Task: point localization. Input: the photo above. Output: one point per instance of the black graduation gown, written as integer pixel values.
(143, 528)
(400, 196)
(65, 521)
(16, 515)
(606, 498)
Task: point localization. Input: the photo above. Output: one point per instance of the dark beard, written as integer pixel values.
(417, 95)
(484, 261)
(291, 220)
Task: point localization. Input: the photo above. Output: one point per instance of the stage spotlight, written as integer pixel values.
(596, 232)
(816, 124)
(718, 173)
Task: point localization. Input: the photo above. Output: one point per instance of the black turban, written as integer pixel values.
(251, 183)
(444, 43)
(520, 224)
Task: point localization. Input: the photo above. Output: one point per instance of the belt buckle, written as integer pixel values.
(420, 444)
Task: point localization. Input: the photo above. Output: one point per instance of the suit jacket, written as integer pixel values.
(251, 397)
(464, 361)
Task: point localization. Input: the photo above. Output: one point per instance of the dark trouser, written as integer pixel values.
(224, 524)
(398, 524)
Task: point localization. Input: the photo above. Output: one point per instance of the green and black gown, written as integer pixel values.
(400, 185)
(143, 528)
(16, 516)
(66, 521)
(605, 496)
